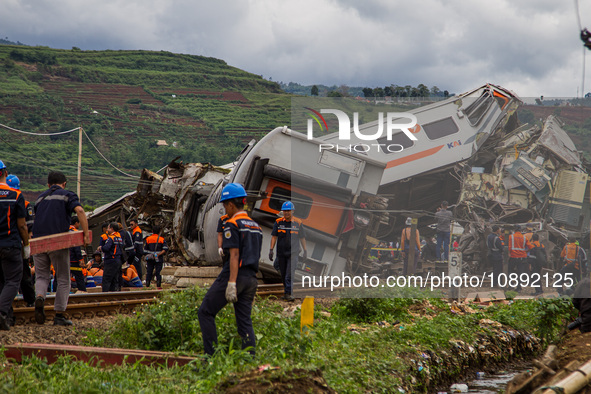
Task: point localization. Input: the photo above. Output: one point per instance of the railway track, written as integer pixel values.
(90, 305)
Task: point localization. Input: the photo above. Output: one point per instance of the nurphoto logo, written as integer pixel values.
(403, 121)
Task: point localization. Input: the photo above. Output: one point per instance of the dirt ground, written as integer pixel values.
(265, 381)
(48, 333)
(576, 346)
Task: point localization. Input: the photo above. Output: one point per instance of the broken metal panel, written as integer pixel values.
(566, 203)
(555, 139)
(531, 175)
(196, 183)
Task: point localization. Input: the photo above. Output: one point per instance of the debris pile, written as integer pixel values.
(531, 175)
(171, 201)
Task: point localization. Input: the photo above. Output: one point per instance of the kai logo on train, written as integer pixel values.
(403, 121)
(454, 144)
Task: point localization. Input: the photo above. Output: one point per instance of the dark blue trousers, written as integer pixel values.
(284, 263)
(215, 300)
(11, 264)
(111, 275)
(151, 266)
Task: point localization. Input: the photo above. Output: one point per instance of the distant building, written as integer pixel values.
(161, 143)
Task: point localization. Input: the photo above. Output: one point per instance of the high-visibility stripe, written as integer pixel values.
(569, 259)
(522, 249)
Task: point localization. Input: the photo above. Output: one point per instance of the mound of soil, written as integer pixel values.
(274, 381)
(575, 346)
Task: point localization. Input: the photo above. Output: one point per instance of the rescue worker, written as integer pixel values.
(27, 287)
(76, 259)
(104, 235)
(113, 250)
(130, 276)
(444, 218)
(53, 212)
(518, 247)
(405, 237)
(571, 257)
(288, 232)
(237, 282)
(96, 262)
(495, 245)
(155, 247)
(138, 244)
(14, 245)
(529, 233)
(536, 258)
(129, 249)
(97, 272)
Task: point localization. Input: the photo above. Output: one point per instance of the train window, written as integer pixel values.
(441, 128)
(479, 108)
(302, 203)
(397, 139)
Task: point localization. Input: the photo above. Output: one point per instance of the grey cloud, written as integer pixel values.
(454, 44)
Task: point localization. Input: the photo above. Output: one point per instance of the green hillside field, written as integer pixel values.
(126, 101)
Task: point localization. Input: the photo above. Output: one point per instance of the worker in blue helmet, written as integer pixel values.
(14, 245)
(288, 232)
(237, 282)
(27, 287)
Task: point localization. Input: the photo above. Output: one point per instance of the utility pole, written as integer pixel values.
(79, 160)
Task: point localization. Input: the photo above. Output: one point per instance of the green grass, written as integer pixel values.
(354, 353)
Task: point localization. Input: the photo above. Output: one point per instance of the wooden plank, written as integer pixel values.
(93, 355)
(50, 243)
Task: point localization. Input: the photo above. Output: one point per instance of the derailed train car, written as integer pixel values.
(326, 206)
(469, 150)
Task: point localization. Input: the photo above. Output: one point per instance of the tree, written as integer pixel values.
(435, 91)
(314, 90)
(388, 91)
(367, 92)
(344, 90)
(423, 90)
(445, 94)
(400, 91)
(378, 92)
(334, 93)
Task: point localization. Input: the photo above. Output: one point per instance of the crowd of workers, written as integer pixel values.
(116, 263)
(117, 260)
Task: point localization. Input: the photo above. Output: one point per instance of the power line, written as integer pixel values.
(43, 134)
(107, 160)
(70, 131)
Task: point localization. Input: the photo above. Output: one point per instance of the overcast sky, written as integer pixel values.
(531, 47)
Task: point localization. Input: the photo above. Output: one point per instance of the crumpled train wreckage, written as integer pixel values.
(531, 176)
(472, 152)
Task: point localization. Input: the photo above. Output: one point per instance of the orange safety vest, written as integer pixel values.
(570, 253)
(518, 245)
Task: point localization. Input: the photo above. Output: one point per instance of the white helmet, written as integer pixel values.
(408, 221)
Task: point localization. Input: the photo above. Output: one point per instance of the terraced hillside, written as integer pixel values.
(126, 101)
